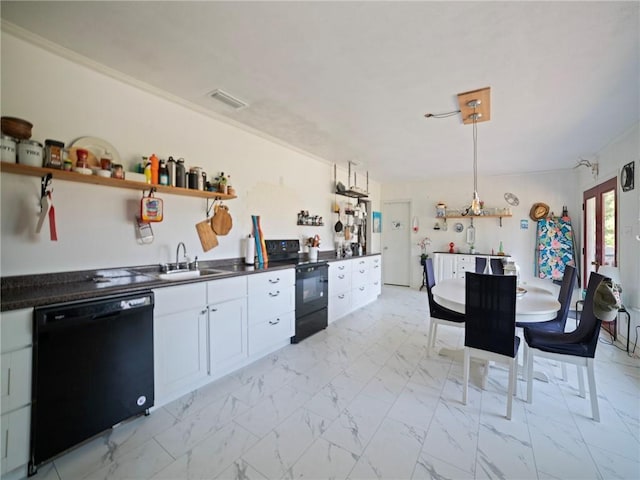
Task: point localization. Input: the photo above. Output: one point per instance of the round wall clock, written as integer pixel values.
(627, 177)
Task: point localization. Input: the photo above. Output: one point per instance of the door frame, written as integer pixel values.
(596, 192)
(409, 204)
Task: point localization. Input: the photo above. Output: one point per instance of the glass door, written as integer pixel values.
(600, 227)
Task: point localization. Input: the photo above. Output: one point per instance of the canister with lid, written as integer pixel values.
(171, 168)
(30, 153)
(8, 149)
(53, 153)
(181, 180)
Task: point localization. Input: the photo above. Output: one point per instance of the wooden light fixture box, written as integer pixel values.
(484, 95)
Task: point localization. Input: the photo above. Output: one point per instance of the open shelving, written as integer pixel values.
(109, 182)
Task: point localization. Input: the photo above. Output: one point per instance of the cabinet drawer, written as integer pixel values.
(226, 289)
(17, 329)
(359, 274)
(271, 331)
(339, 305)
(360, 296)
(275, 301)
(339, 281)
(270, 281)
(14, 438)
(180, 298)
(16, 379)
(342, 267)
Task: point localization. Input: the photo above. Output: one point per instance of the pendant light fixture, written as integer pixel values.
(475, 108)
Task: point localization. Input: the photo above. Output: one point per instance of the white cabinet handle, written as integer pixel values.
(341, 267)
(361, 262)
(340, 277)
(214, 309)
(274, 323)
(341, 296)
(376, 266)
(277, 280)
(203, 311)
(362, 289)
(362, 271)
(271, 294)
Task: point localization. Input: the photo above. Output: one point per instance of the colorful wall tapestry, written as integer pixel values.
(555, 247)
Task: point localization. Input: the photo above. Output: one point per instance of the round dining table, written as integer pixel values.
(536, 304)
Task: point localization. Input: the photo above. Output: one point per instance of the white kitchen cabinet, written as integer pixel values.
(16, 379)
(375, 276)
(339, 289)
(269, 334)
(14, 443)
(180, 340)
(455, 265)
(272, 304)
(16, 358)
(360, 284)
(227, 324)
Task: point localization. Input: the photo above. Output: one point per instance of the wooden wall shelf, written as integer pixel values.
(108, 182)
(506, 215)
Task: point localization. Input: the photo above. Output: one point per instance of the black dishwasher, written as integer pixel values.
(92, 368)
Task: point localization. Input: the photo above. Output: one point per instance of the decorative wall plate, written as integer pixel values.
(511, 199)
(458, 227)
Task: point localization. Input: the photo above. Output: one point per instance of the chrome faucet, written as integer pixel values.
(184, 249)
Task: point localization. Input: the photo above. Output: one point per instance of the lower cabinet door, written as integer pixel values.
(14, 443)
(360, 296)
(180, 351)
(227, 333)
(273, 331)
(339, 305)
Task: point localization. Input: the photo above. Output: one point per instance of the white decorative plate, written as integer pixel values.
(97, 147)
(511, 199)
(458, 227)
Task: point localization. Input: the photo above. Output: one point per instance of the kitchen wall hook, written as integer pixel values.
(152, 190)
(45, 187)
(209, 207)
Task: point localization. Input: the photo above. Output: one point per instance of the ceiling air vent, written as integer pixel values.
(227, 99)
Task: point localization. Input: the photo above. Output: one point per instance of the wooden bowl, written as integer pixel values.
(16, 127)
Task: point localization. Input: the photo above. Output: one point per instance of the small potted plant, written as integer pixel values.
(423, 249)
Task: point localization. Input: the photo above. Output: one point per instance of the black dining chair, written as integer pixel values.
(497, 268)
(490, 331)
(577, 347)
(564, 297)
(439, 314)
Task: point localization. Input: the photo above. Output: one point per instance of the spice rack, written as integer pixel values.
(108, 182)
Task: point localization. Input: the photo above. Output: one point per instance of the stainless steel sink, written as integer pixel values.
(212, 271)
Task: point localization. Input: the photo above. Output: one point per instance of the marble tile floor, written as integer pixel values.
(361, 400)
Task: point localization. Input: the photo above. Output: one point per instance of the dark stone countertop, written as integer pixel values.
(27, 291)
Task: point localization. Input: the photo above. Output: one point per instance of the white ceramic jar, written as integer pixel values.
(30, 153)
(8, 149)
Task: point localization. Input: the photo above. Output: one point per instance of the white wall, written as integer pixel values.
(556, 189)
(611, 159)
(65, 100)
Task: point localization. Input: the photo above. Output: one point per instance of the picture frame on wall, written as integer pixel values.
(377, 222)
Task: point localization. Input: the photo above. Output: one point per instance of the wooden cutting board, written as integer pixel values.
(221, 222)
(208, 237)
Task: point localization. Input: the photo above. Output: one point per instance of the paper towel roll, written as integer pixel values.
(249, 250)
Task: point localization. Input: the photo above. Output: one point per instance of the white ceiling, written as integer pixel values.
(353, 80)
